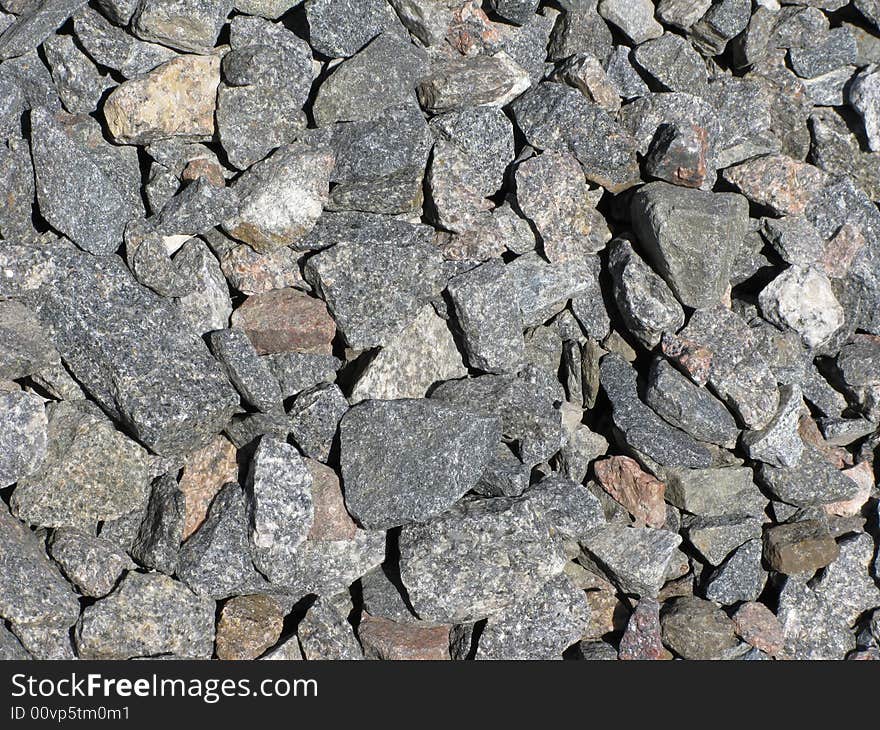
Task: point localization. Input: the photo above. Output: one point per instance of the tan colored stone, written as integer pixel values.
(607, 614)
(386, 639)
(175, 99)
(842, 249)
(639, 492)
(810, 434)
(777, 181)
(255, 273)
(202, 167)
(331, 521)
(286, 320)
(204, 473)
(758, 626)
(248, 626)
(799, 547)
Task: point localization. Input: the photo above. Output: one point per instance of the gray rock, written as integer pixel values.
(186, 25)
(505, 475)
(681, 14)
(714, 492)
(779, 442)
(802, 299)
(297, 371)
(161, 532)
(645, 303)
(348, 276)
(715, 537)
(675, 225)
(579, 29)
(208, 306)
(16, 179)
(539, 627)
(324, 633)
(847, 585)
(487, 308)
(836, 49)
(555, 116)
(696, 629)
(845, 431)
(32, 590)
(45, 642)
(314, 419)
(423, 353)
(622, 74)
(341, 29)
(736, 370)
(91, 473)
(132, 353)
(147, 615)
(811, 629)
(571, 510)
(722, 22)
(380, 162)
(639, 426)
(634, 18)
(73, 192)
(408, 460)
(545, 288)
(519, 12)
(280, 507)
(11, 648)
(92, 564)
(685, 405)
(814, 481)
(740, 577)
(526, 407)
(38, 21)
(246, 370)
(383, 596)
(111, 46)
(79, 84)
(383, 74)
(476, 559)
(673, 63)
(23, 436)
(864, 97)
(795, 239)
(637, 559)
(216, 561)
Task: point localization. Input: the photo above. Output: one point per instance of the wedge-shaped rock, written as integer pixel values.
(408, 460)
(130, 350)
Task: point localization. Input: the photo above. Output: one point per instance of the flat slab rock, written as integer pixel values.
(408, 460)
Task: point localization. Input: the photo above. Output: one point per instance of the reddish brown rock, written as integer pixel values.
(799, 547)
(208, 169)
(842, 249)
(331, 521)
(692, 359)
(286, 320)
(248, 626)
(757, 625)
(642, 638)
(639, 492)
(204, 473)
(678, 156)
(782, 184)
(863, 475)
(255, 273)
(471, 31)
(810, 434)
(389, 640)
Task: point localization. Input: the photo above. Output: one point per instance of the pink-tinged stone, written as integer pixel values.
(286, 320)
(777, 181)
(758, 626)
(863, 475)
(471, 31)
(842, 249)
(211, 170)
(692, 359)
(810, 434)
(642, 638)
(389, 640)
(204, 473)
(331, 521)
(255, 273)
(639, 492)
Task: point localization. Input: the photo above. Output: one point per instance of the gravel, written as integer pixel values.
(439, 329)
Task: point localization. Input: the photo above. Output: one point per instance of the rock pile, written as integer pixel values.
(439, 329)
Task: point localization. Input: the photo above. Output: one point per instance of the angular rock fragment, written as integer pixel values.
(813, 481)
(732, 364)
(37, 22)
(456, 82)
(739, 578)
(147, 615)
(92, 564)
(641, 428)
(324, 633)
(756, 624)
(314, 419)
(714, 492)
(715, 537)
(248, 625)
(161, 532)
(799, 547)
(187, 25)
(639, 492)
(476, 559)
(673, 63)
(341, 29)
(285, 320)
(91, 473)
(676, 225)
(386, 483)
(487, 308)
(696, 629)
(680, 155)
(779, 442)
(539, 627)
(422, 354)
(384, 639)
(297, 371)
(810, 629)
(175, 99)
(23, 436)
(246, 370)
